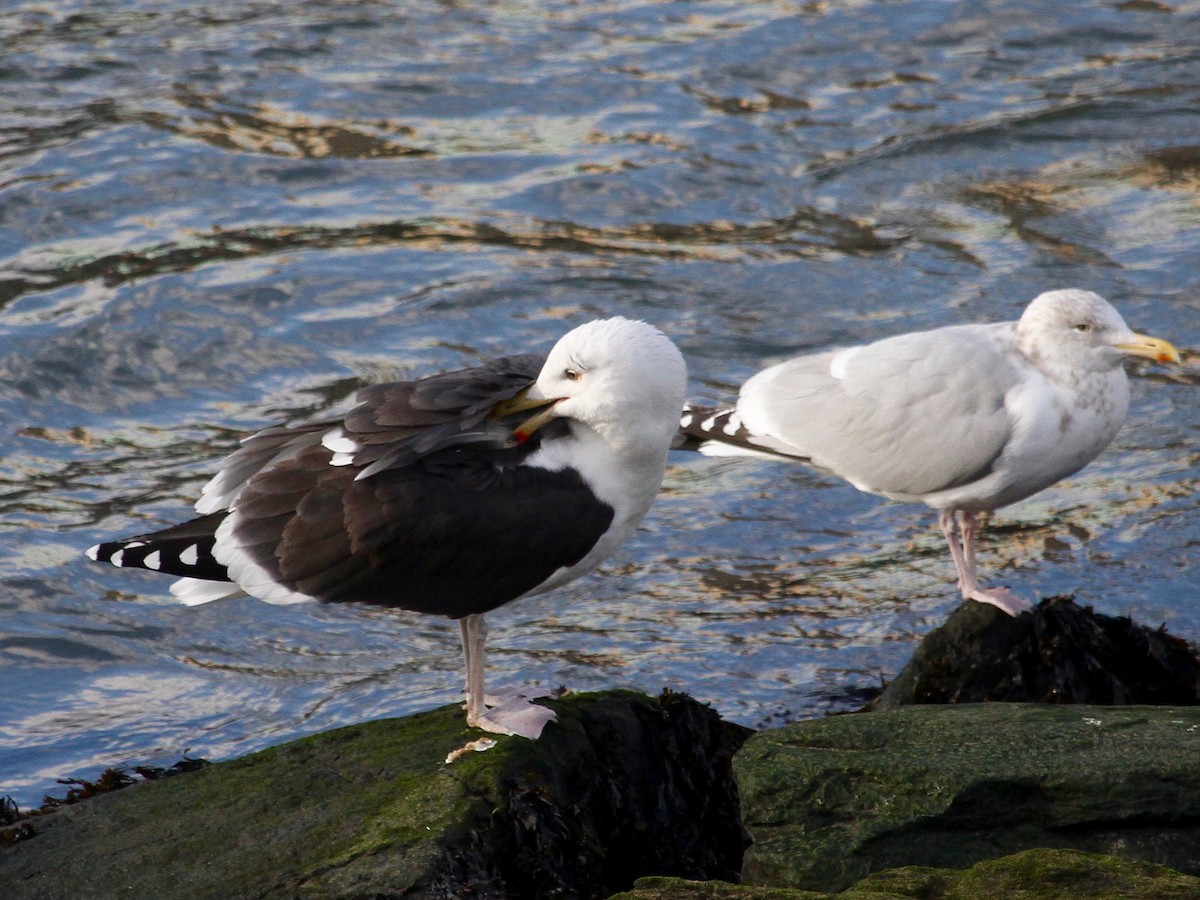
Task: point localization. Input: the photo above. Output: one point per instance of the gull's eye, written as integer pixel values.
(572, 374)
(1083, 327)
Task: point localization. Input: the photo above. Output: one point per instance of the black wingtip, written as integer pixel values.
(185, 550)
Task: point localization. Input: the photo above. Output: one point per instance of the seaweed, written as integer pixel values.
(16, 825)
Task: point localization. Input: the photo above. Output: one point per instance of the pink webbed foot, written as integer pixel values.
(961, 528)
(516, 716)
(503, 712)
(497, 698)
(1002, 598)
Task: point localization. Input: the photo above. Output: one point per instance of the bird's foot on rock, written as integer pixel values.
(1001, 598)
(515, 716)
(501, 697)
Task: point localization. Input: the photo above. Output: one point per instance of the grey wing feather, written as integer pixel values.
(396, 424)
(393, 425)
(258, 452)
(912, 415)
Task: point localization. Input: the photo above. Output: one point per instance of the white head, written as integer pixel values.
(1082, 331)
(622, 378)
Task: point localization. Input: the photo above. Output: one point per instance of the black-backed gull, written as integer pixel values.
(442, 495)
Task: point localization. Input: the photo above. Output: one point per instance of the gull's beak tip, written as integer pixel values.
(530, 398)
(1151, 348)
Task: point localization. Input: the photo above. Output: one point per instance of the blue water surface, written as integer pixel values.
(219, 216)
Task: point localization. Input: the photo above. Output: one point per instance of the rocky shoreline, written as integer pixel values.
(659, 798)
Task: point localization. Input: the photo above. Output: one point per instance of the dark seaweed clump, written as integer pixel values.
(16, 824)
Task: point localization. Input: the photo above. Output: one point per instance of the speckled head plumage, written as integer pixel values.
(1079, 331)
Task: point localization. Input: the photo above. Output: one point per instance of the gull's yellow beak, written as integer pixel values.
(522, 402)
(1150, 348)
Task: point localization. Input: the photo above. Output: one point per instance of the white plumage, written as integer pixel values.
(966, 419)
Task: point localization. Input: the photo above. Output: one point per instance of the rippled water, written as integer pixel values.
(214, 217)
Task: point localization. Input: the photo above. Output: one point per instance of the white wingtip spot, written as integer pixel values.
(190, 556)
(118, 558)
(336, 441)
(152, 560)
(93, 552)
(341, 459)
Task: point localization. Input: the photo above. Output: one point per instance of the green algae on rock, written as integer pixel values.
(1043, 874)
(829, 801)
(624, 785)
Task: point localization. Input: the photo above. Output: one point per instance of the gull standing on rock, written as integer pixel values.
(966, 419)
(441, 495)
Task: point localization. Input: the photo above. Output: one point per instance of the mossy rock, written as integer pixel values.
(830, 801)
(665, 888)
(1042, 874)
(623, 785)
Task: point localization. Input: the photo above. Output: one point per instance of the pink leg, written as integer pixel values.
(517, 715)
(473, 632)
(948, 519)
(961, 528)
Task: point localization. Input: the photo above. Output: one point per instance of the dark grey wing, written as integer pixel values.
(257, 453)
(413, 499)
(461, 530)
(392, 425)
(395, 424)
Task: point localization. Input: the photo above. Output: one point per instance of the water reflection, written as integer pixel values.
(215, 218)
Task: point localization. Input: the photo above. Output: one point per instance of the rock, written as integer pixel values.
(829, 801)
(1045, 874)
(663, 888)
(623, 786)
(1060, 652)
